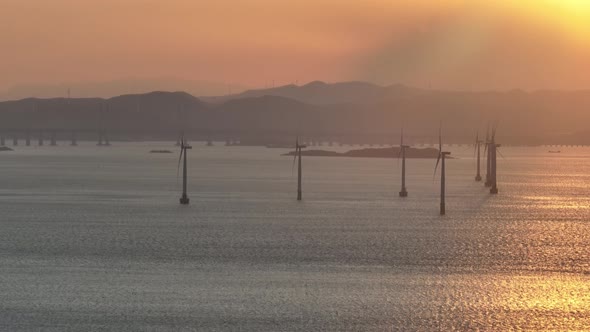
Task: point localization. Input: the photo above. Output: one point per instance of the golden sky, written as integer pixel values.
(454, 44)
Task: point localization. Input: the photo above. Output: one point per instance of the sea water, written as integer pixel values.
(94, 238)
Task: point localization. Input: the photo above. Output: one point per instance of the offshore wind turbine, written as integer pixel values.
(297, 157)
(493, 154)
(441, 158)
(402, 153)
(487, 151)
(478, 143)
(184, 200)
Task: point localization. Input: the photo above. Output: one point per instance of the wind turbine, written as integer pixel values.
(402, 153)
(493, 154)
(184, 200)
(478, 143)
(441, 158)
(487, 151)
(298, 148)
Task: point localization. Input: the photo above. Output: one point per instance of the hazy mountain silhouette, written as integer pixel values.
(369, 113)
(321, 93)
(117, 87)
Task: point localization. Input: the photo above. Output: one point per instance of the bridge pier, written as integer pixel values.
(103, 139)
(2, 140)
(53, 139)
(28, 139)
(14, 140)
(74, 140)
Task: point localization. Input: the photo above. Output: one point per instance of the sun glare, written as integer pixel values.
(572, 17)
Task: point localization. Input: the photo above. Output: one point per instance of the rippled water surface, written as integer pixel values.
(94, 239)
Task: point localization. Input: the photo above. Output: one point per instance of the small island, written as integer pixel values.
(5, 148)
(392, 152)
(160, 151)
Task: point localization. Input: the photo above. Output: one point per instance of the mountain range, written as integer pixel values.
(349, 111)
(108, 89)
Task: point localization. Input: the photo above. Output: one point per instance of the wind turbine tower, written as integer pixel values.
(478, 143)
(441, 158)
(493, 154)
(402, 151)
(298, 148)
(184, 200)
(487, 150)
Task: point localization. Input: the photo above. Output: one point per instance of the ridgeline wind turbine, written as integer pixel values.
(184, 200)
(402, 153)
(441, 158)
(477, 147)
(297, 157)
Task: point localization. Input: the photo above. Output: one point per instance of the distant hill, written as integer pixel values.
(363, 113)
(108, 89)
(151, 112)
(323, 93)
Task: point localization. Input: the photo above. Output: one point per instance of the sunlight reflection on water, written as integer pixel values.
(94, 239)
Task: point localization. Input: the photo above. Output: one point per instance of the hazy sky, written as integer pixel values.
(465, 44)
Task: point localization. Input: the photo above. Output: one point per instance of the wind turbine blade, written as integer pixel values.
(494, 132)
(439, 149)
(179, 159)
(476, 144)
(436, 167)
(440, 138)
(401, 146)
(294, 160)
(500, 153)
(296, 153)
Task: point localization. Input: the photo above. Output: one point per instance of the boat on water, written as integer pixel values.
(558, 151)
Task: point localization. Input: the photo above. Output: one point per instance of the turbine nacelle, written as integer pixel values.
(184, 145)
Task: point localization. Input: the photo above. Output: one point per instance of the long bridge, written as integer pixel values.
(102, 137)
